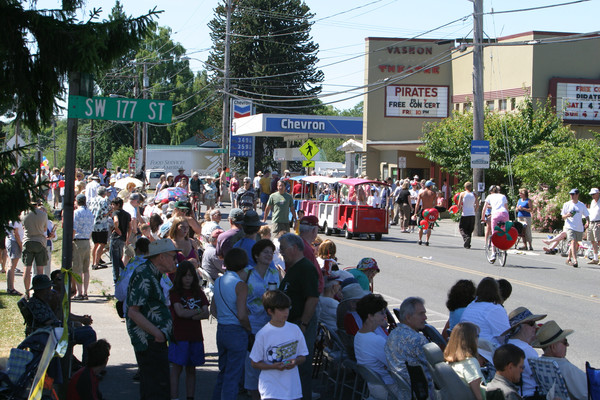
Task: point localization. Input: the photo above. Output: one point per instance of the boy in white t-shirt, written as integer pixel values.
(278, 349)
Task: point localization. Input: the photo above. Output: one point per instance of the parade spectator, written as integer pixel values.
(594, 226)
(262, 276)
(14, 247)
(183, 183)
(524, 209)
(162, 180)
(170, 181)
(101, 210)
(211, 263)
(230, 237)
(85, 383)
(425, 200)
(234, 185)
(405, 343)
(459, 297)
(91, 189)
(179, 234)
(180, 176)
(461, 354)
(35, 224)
(229, 300)
(301, 284)
(402, 207)
(522, 334)
(509, 361)
(282, 204)
(149, 321)
(83, 223)
(278, 351)
(245, 197)
(308, 231)
(487, 312)
(265, 189)
(553, 341)
(189, 305)
(468, 205)
(210, 193)
(326, 257)
(251, 225)
(573, 212)
(369, 347)
(121, 236)
(364, 273)
(328, 301)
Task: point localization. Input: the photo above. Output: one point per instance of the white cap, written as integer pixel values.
(594, 191)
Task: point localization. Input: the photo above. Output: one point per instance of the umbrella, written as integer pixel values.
(172, 193)
(122, 183)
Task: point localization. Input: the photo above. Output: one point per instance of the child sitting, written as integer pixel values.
(278, 349)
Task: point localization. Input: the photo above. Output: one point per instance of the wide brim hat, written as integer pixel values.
(251, 218)
(354, 291)
(161, 246)
(550, 333)
(521, 315)
(40, 282)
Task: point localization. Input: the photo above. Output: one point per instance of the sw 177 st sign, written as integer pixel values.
(120, 109)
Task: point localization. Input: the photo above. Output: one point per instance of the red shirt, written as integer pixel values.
(84, 384)
(297, 188)
(187, 329)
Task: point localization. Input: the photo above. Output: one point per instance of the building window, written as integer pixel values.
(502, 105)
(513, 104)
(467, 107)
(490, 105)
(457, 106)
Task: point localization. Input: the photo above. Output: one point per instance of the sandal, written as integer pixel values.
(78, 297)
(13, 292)
(84, 297)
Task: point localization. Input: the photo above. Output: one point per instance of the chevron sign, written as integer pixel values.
(241, 146)
(242, 108)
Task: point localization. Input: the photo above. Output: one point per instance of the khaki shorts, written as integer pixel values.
(280, 226)
(574, 235)
(594, 231)
(34, 251)
(81, 256)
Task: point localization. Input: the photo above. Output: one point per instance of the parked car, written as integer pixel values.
(153, 176)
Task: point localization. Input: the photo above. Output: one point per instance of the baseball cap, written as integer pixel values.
(236, 215)
(183, 205)
(309, 220)
(594, 191)
(134, 196)
(429, 183)
(574, 191)
(81, 198)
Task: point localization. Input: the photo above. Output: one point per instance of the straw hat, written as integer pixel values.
(550, 333)
(161, 246)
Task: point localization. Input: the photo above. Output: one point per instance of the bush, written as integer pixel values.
(546, 216)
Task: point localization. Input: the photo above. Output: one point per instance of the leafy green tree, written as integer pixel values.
(121, 157)
(447, 143)
(272, 60)
(329, 145)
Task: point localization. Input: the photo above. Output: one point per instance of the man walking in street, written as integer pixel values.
(573, 213)
(149, 321)
(425, 200)
(281, 203)
(594, 228)
(467, 203)
(265, 189)
(245, 197)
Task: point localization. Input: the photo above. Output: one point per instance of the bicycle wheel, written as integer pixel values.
(489, 252)
(501, 257)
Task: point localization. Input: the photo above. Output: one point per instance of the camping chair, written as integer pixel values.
(547, 374)
(333, 356)
(377, 389)
(593, 381)
(404, 389)
(434, 336)
(445, 379)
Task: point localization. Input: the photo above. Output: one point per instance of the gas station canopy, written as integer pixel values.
(286, 125)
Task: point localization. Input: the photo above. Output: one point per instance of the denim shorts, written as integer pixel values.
(13, 249)
(186, 353)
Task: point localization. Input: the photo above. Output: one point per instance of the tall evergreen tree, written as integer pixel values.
(272, 60)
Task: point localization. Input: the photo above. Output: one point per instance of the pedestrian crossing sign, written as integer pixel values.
(309, 149)
(308, 164)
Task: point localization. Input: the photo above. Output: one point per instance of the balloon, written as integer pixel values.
(505, 238)
(61, 184)
(455, 198)
(424, 224)
(453, 209)
(431, 214)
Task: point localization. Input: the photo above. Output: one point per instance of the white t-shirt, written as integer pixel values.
(497, 201)
(328, 312)
(272, 345)
(580, 211)
(491, 319)
(11, 230)
(594, 211)
(369, 349)
(529, 383)
(131, 210)
(468, 205)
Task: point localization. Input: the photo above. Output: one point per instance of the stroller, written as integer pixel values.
(16, 382)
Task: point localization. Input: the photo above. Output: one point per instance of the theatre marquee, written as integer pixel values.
(416, 101)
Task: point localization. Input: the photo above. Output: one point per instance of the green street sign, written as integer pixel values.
(220, 151)
(120, 109)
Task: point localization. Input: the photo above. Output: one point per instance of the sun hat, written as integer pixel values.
(170, 174)
(309, 220)
(236, 215)
(521, 315)
(251, 218)
(354, 291)
(594, 191)
(367, 263)
(161, 246)
(40, 282)
(574, 191)
(550, 333)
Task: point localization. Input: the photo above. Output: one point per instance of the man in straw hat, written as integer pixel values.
(522, 334)
(149, 322)
(553, 341)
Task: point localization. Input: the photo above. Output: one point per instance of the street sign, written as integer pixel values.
(401, 162)
(480, 154)
(309, 149)
(308, 164)
(220, 151)
(241, 146)
(120, 109)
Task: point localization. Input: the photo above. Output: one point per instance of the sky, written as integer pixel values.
(341, 26)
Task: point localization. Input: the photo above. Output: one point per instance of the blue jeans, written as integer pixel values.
(116, 256)
(84, 335)
(232, 343)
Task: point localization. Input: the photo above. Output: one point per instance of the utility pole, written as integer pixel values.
(54, 141)
(92, 161)
(136, 125)
(226, 117)
(146, 84)
(478, 114)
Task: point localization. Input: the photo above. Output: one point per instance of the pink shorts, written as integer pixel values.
(499, 216)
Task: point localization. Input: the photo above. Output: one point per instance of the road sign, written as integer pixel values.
(401, 162)
(120, 109)
(309, 149)
(220, 151)
(241, 146)
(480, 154)
(308, 164)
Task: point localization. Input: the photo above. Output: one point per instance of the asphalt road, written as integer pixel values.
(542, 283)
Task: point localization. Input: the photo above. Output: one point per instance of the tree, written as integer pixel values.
(447, 143)
(272, 60)
(329, 145)
(121, 157)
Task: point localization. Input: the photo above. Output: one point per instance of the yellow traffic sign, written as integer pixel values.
(309, 149)
(308, 164)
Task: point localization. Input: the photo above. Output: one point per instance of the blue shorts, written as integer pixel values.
(186, 353)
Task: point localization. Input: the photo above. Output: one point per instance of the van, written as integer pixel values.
(153, 176)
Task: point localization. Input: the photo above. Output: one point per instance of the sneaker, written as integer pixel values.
(426, 243)
(315, 396)
(593, 262)
(493, 258)
(420, 242)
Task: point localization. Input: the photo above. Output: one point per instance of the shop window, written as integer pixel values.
(502, 105)
(467, 107)
(490, 105)
(513, 104)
